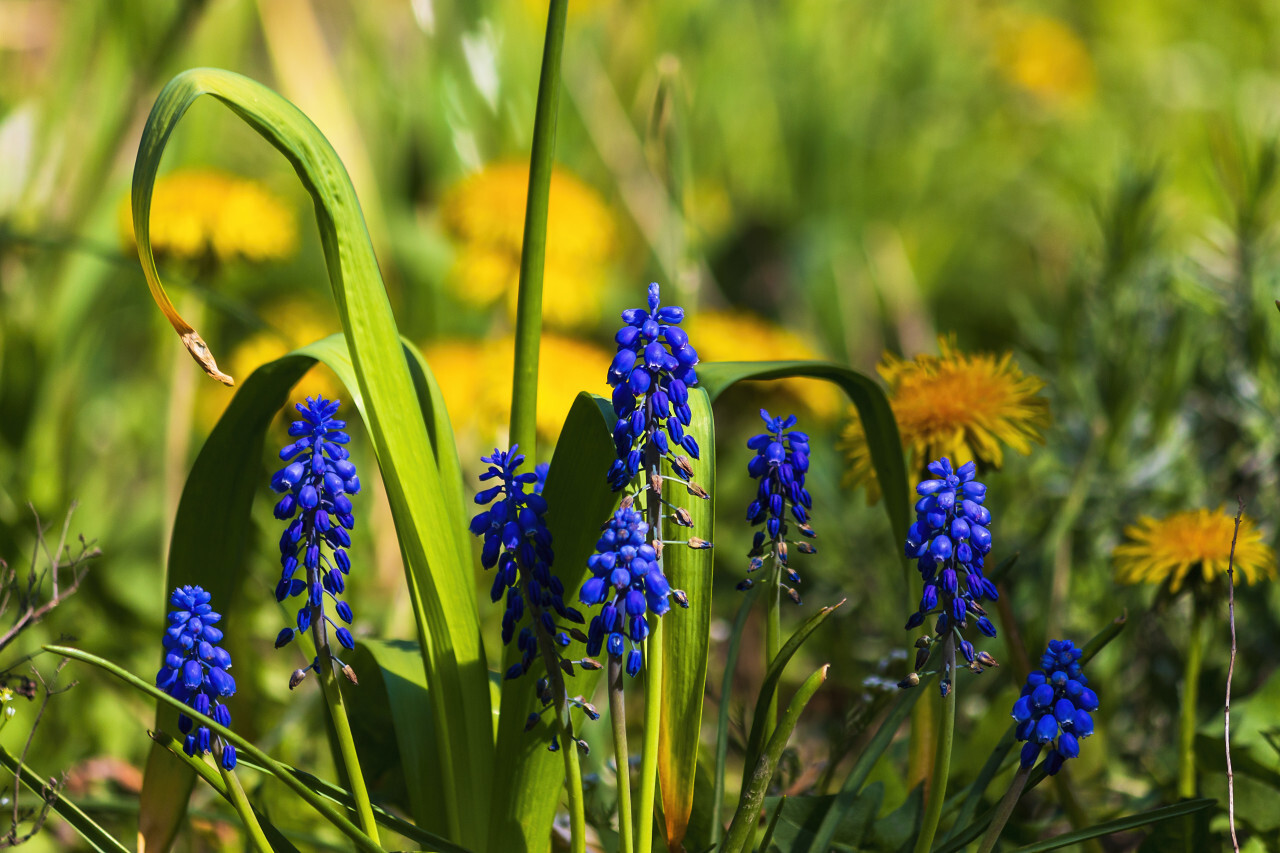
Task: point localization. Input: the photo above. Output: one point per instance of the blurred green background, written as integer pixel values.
(1089, 185)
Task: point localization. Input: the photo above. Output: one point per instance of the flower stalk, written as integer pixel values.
(618, 719)
(1190, 697)
(653, 652)
(1005, 809)
(240, 802)
(942, 758)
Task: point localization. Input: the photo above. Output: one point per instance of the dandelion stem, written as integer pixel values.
(1231, 668)
(524, 388)
(942, 758)
(1190, 695)
(618, 719)
(1004, 810)
(341, 725)
(235, 793)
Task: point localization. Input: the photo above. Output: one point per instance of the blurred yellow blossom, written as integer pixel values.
(484, 214)
(739, 336)
(956, 405)
(1043, 56)
(475, 379)
(300, 323)
(1168, 549)
(204, 212)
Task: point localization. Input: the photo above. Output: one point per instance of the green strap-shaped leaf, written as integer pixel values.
(873, 408)
(436, 557)
(528, 779)
(95, 836)
(686, 633)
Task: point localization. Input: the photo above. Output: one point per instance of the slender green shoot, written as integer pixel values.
(524, 387)
(653, 669)
(1004, 810)
(722, 718)
(238, 800)
(942, 758)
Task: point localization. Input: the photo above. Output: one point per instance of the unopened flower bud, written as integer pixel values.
(698, 543)
(910, 681)
(297, 677)
(350, 674)
(682, 517)
(697, 491)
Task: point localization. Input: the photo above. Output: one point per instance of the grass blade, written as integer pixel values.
(1123, 824)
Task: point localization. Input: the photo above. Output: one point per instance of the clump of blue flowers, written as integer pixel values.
(780, 464)
(317, 482)
(949, 540)
(627, 579)
(195, 669)
(518, 544)
(651, 375)
(1055, 706)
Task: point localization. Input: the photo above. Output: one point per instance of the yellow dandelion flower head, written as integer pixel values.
(1044, 57)
(739, 336)
(204, 212)
(484, 214)
(471, 375)
(959, 405)
(301, 322)
(1156, 551)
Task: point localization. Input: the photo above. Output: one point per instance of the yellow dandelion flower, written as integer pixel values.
(1157, 551)
(1044, 57)
(739, 336)
(203, 212)
(485, 215)
(956, 405)
(474, 379)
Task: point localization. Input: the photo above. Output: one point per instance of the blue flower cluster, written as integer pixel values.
(626, 577)
(317, 482)
(651, 375)
(518, 543)
(780, 464)
(950, 536)
(1054, 708)
(195, 668)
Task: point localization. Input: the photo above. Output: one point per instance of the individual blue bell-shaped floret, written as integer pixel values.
(779, 467)
(195, 670)
(949, 541)
(317, 483)
(651, 375)
(517, 543)
(1055, 707)
(627, 580)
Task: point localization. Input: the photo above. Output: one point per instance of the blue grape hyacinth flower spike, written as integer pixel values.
(1055, 708)
(517, 543)
(949, 540)
(651, 375)
(779, 467)
(627, 579)
(317, 483)
(195, 670)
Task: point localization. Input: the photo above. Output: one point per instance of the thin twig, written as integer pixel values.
(29, 598)
(1231, 667)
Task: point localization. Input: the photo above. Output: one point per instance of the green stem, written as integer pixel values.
(772, 636)
(649, 757)
(341, 725)
(240, 802)
(1190, 695)
(942, 758)
(1004, 810)
(568, 741)
(524, 387)
(618, 719)
(722, 720)
(653, 660)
